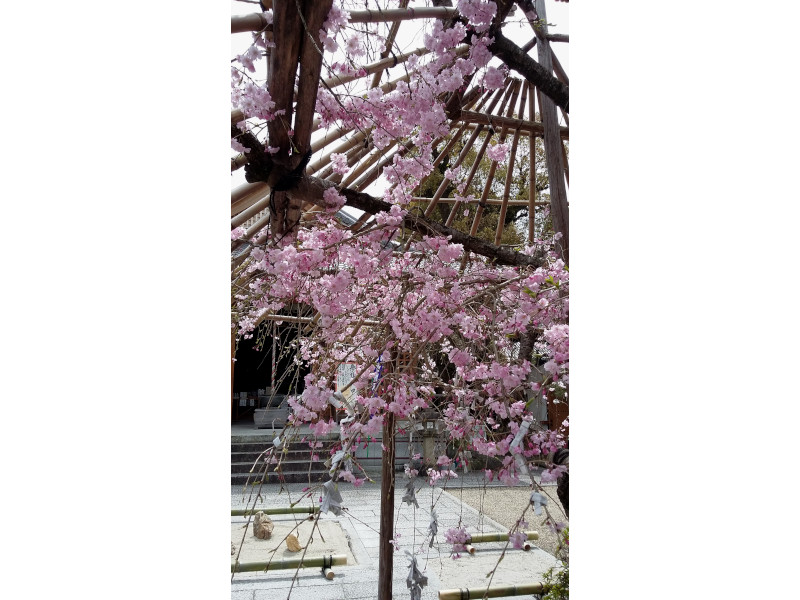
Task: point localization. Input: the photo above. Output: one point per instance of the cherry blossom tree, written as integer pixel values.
(433, 317)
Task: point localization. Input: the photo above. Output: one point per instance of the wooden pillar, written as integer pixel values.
(386, 550)
(386, 556)
(553, 149)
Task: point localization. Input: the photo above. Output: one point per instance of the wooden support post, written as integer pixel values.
(314, 14)
(288, 29)
(559, 209)
(386, 554)
(532, 167)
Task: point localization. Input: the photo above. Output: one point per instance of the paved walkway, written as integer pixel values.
(361, 523)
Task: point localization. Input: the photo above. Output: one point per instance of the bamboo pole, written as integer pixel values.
(401, 14)
(506, 191)
(251, 22)
(256, 227)
(510, 95)
(336, 80)
(488, 201)
(353, 155)
(250, 212)
(244, 196)
(469, 116)
(478, 158)
(490, 177)
(509, 173)
(446, 182)
(387, 48)
(238, 162)
(289, 563)
(257, 21)
(464, 126)
(366, 164)
(481, 538)
(498, 591)
(235, 512)
(376, 171)
(343, 147)
(328, 138)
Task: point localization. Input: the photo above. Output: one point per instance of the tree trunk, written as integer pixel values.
(386, 556)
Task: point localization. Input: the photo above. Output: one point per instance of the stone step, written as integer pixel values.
(287, 466)
(304, 455)
(273, 477)
(259, 447)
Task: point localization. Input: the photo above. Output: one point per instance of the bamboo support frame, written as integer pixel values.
(509, 173)
(401, 14)
(346, 145)
(353, 155)
(257, 21)
(238, 161)
(490, 177)
(498, 591)
(488, 201)
(243, 216)
(289, 563)
(244, 196)
(536, 127)
(511, 93)
(376, 77)
(506, 191)
(366, 163)
(464, 126)
(235, 512)
(336, 80)
(478, 158)
(482, 538)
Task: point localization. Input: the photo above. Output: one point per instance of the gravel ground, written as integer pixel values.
(505, 505)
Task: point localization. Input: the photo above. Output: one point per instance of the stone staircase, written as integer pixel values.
(299, 464)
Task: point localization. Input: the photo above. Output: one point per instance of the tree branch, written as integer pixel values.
(516, 59)
(311, 189)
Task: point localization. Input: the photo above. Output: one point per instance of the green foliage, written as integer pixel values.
(558, 582)
(557, 578)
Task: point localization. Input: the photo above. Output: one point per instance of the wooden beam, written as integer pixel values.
(288, 30)
(314, 14)
(532, 167)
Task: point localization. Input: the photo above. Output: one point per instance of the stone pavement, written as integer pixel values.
(361, 523)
